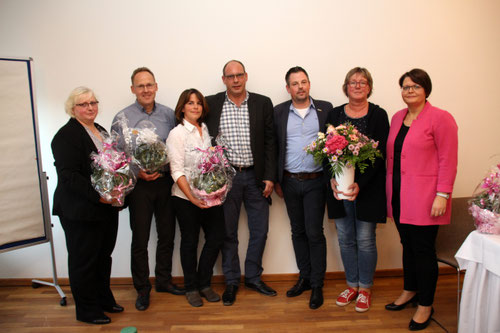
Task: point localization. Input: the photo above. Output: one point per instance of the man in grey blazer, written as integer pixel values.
(301, 182)
(245, 120)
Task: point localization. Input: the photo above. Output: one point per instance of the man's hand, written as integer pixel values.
(278, 190)
(148, 176)
(268, 189)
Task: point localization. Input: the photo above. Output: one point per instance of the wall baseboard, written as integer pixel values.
(220, 278)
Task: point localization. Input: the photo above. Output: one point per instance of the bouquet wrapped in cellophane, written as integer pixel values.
(144, 146)
(485, 205)
(212, 179)
(111, 175)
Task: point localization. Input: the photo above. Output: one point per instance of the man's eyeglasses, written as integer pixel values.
(149, 86)
(239, 76)
(86, 104)
(414, 87)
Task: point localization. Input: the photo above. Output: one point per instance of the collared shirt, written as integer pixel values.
(235, 128)
(182, 153)
(161, 116)
(301, 132)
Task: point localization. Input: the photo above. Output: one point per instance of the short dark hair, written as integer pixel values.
(420, 77)
(227, 63)
(296, 69)
(358, 70)
(184, 99)
(138, 70)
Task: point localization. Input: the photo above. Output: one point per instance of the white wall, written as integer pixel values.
(98, 44)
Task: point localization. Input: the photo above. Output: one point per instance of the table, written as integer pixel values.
(480, 303)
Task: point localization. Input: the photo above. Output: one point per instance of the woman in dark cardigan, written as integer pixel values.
(90, 223)
(356, 218)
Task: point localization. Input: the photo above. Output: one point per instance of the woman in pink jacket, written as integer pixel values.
(421, 168)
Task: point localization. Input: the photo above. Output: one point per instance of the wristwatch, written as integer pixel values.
(444, 195)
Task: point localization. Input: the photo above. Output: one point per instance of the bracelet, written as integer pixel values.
(443, 195)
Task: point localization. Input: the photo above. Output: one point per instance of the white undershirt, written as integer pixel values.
(302, 112)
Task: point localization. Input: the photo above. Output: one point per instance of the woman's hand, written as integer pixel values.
(439, 206)
(198, 202)
(354, 190)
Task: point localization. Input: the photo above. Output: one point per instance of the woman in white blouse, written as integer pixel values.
(191, 212)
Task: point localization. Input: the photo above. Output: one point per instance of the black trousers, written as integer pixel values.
(191, 220)
(420, 265)
(148, 199)
(305, 204)
(90, 244)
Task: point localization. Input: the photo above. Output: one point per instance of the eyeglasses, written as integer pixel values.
(86, 104)
(414, 87)
(362, 84)
(239, 76)
(149, 86)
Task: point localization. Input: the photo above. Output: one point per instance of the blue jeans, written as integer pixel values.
(305, 204)
(245, 190)
(358, 247)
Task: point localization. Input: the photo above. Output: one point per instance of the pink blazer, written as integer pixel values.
(428, 164)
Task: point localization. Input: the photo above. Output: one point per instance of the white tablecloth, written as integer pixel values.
(480, 303)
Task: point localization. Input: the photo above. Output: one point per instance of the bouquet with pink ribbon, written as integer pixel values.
(485, 205)
(212, 178)
(111, 174)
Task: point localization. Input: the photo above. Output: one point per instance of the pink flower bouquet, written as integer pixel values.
(485, 206)
(111, 175)
(212, 179)
(344, 146)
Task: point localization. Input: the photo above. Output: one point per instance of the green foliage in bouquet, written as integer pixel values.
(151, 156)
(210, 182)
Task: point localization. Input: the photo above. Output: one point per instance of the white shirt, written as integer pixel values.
(182, 153)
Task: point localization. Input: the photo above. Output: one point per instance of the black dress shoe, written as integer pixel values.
(316, 298)
(301, 286)
(101, 320)
(170, 288)
(261, 287)
(113, 309)
(142, 302)
(229, 295)
(414, 326)
(394, 307)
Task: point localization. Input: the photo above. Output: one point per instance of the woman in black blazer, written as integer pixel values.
(90, 223)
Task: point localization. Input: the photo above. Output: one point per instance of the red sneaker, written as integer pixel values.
(347, 296)
(363, 301)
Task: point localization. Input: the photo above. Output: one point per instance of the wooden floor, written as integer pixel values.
(24, 309)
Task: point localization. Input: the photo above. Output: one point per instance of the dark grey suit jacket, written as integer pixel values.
(262, 140)
(281, 113)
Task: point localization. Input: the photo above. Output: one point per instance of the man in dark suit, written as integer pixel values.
(246, 121)
(301, 182)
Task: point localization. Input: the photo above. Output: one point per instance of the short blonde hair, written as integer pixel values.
(70, 102)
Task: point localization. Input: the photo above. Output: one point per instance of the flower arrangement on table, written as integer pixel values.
(111, 175)
(345, 148)
(485, 205)
(212, 178)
